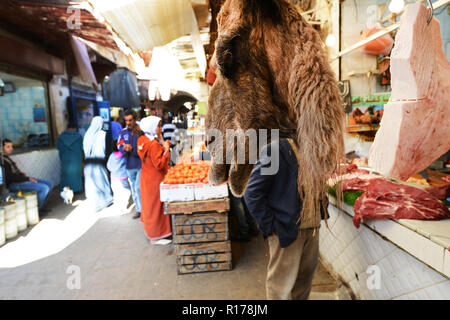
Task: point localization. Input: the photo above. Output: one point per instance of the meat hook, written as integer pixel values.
(431, 11)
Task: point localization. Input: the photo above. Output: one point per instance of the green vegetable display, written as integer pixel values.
(349, 197)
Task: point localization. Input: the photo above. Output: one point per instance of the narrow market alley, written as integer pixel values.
(207, 150)
(115, 261)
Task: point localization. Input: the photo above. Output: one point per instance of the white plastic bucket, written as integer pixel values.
(10, 219)
(21, 205)
(21, 213)
(11, 229)
(31, 199)
(2, 234)
(33, 216)
(32, 208)
(10, 210)
(21, 219)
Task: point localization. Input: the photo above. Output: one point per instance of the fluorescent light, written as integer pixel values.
(2, 84)
(396, 6)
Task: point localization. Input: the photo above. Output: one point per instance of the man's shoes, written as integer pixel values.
(137, 215)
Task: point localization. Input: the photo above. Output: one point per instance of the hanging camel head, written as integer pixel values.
(273, 73)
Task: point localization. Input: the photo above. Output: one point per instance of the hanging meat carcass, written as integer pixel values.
(415, 128)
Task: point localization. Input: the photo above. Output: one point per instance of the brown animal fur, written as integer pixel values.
(274, 74)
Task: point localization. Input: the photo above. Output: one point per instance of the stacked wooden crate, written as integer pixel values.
(200, 235)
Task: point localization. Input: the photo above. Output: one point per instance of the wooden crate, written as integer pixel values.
(189, 207)
(200, 234)
(204, 257)
(200, 227)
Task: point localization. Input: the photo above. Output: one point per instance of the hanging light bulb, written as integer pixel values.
(331, 40)
(396, 6)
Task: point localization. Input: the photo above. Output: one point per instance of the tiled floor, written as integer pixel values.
(114, 261)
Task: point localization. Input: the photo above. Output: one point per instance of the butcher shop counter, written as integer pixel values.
(387, 259)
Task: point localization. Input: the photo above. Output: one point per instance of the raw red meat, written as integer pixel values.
(441, 192)
(414, 129)
(360, 183)
(386, 200)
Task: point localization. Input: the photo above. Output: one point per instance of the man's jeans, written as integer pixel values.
(134, 175)
(42, 188)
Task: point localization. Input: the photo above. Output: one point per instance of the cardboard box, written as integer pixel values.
(207, 192)
(176, 192)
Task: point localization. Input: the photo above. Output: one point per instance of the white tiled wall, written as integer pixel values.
(16, 113)
(43, 164)
(349, 252)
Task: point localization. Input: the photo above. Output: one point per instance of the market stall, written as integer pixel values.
(388, 236)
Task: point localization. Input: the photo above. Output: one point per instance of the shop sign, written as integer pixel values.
(367, 112)
(370, 100)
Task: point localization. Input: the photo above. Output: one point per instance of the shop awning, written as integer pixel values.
(118, 57)
(145, 24)
(83, 61)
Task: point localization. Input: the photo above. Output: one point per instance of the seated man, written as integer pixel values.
(16, 180)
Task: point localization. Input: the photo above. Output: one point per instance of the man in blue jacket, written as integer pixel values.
(127, 144)
(274, 201)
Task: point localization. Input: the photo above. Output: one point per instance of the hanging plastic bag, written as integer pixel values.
(382, 45)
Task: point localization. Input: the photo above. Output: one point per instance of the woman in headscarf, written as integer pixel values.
(155, 155)
(70, 150)
(96, 184)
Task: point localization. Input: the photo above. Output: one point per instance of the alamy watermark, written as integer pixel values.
(373, 281)
(74, 280)
(74, 20)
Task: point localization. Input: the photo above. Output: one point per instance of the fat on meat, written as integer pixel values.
(387, 200)
(415, 129)
(360, 183)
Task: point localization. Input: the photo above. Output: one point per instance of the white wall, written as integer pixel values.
(43, 164)
(356, 254)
